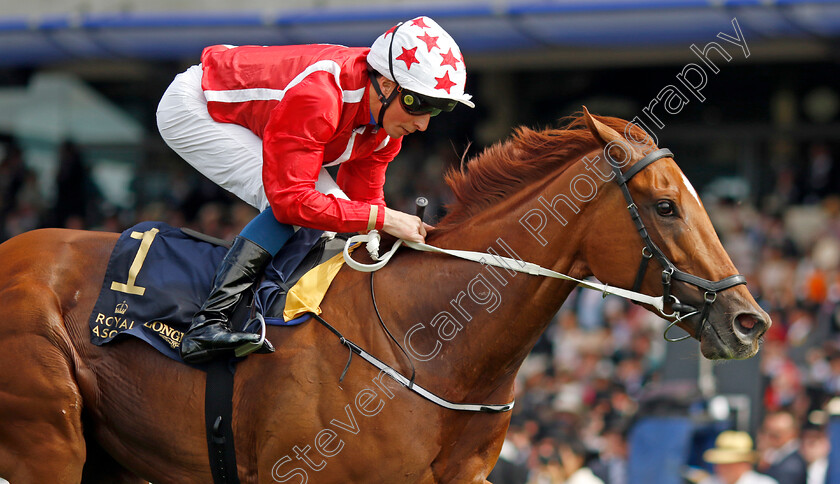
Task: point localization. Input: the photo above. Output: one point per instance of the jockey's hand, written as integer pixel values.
(404, 226)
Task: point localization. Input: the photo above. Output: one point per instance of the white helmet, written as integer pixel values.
(422, 58)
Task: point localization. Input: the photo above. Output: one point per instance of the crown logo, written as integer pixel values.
(121, 308)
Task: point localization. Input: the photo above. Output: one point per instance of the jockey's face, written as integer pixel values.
(397, 122)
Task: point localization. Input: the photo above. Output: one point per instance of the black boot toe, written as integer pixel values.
(212, 341)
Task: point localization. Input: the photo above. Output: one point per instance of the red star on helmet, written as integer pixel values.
(420, 23)
(408, 56)
(390, 31)
(444, 82)
(449, 59)
(429, 40)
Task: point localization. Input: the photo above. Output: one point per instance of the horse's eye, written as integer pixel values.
(665, 208)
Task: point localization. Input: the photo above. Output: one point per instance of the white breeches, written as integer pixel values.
(228, 154)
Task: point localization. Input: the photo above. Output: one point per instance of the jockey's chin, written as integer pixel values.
(398, 131)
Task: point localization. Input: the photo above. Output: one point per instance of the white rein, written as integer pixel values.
(372, 239)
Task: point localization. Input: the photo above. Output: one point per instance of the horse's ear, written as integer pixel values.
(603, 133)
(619, 147)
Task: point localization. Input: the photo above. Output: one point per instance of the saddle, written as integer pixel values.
(158, 275)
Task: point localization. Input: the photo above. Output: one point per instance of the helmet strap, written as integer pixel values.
(384, 100)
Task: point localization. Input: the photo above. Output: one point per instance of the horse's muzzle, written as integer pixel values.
(733, 334)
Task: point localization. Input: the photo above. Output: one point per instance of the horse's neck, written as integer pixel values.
(477, 323)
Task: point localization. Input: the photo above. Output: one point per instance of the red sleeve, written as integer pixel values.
(293, 152)
(364, 179)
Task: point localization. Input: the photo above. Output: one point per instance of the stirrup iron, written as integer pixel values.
(248, 348)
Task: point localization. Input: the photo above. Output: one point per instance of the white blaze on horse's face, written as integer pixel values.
(690, 188)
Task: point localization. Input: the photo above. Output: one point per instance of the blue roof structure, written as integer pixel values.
(481, 27)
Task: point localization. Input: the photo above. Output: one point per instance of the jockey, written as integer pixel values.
(263, 122)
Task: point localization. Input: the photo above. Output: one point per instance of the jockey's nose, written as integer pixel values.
(422, 122)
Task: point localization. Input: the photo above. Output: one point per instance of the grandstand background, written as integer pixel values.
(760, 140)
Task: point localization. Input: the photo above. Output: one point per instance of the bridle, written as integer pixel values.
(649, 251)
(670, 273)
(669, 270)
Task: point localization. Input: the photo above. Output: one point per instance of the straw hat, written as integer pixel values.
(731, 447)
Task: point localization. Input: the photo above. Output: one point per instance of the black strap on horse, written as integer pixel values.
(650, 249)
(218, 418)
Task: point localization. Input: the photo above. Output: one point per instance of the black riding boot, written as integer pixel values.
(210, 335)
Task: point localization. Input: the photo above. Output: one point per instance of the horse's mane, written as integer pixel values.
(528, 155)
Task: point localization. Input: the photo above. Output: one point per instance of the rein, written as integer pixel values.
(650, 251)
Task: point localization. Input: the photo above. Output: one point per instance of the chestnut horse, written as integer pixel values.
(73, 412)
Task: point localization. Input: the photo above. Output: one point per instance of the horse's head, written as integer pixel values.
(682, 255)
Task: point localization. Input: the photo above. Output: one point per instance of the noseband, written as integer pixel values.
(669, 271)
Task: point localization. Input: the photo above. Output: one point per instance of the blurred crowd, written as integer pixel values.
(579, 391)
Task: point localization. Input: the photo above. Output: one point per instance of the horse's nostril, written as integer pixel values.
(748, 323)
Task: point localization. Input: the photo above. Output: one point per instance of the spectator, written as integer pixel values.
(13, 173)
(733, 458)
(815, 449)
(507, 470)
(573, 458)
(820, 174)
(546, 464)
(511, 467)
(611, 465)
(73, 186)
(780, 457)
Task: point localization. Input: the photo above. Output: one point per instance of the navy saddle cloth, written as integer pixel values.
(158, 276)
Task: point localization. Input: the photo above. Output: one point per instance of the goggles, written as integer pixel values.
(417, 104)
